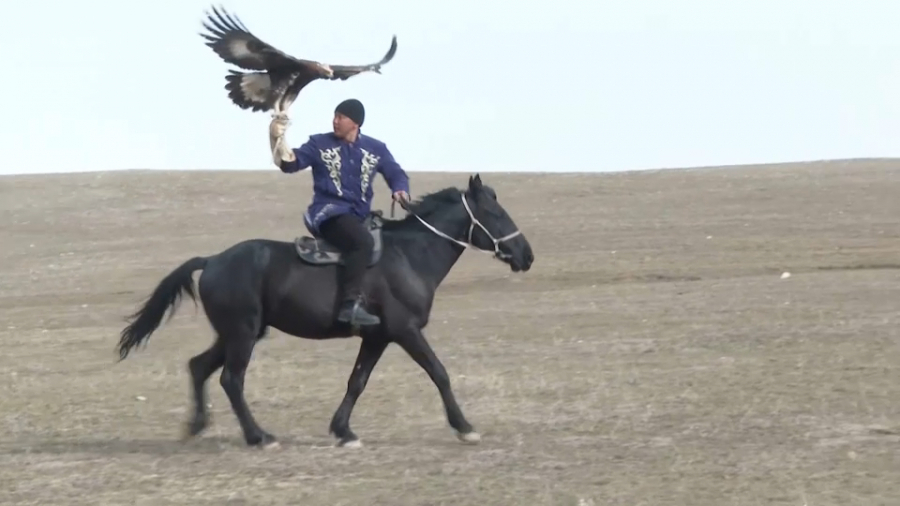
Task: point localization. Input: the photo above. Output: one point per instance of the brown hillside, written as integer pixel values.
(653, 355)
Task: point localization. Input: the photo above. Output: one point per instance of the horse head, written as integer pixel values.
(492, 229)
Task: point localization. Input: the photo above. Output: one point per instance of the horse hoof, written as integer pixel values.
(194, 427)
(350, 443)
(264, 442)
(191, 431)
(471, 438)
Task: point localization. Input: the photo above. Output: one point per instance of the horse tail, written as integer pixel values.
(167, 294)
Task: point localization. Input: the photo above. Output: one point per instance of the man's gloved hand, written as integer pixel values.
(277, 128)
(279, 125)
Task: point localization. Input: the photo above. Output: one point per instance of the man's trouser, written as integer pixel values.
(349, 234)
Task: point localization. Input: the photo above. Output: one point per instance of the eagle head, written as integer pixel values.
(325, 70)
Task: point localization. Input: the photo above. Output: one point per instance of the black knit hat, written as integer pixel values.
(353, 109)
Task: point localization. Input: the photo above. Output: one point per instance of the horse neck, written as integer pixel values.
(440, 254)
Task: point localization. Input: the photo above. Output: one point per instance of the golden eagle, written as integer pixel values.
(278, 77)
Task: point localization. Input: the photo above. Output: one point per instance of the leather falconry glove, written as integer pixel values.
(280, 150)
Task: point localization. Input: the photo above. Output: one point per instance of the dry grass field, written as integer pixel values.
(652, 356)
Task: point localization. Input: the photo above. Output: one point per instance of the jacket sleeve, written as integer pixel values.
(393, 174)
(305, 155)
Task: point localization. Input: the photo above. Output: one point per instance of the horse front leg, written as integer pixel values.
(370, 351)
(413, 342)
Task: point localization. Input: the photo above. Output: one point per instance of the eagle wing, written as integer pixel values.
(343, 72)
(278, 76)
(235, 44)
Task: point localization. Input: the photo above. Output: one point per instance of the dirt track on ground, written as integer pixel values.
(652, 356)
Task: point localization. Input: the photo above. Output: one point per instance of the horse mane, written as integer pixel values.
(428, 205)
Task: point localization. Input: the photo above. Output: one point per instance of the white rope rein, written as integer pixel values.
(474, 221)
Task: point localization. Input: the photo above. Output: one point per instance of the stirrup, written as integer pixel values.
(353, 318)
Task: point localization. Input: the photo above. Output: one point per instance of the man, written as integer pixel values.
(344, 163)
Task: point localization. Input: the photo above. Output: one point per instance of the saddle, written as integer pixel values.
(315, 250)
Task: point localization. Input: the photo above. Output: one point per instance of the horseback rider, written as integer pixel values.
(343, 162)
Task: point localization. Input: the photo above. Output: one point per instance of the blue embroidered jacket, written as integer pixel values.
(342, 175)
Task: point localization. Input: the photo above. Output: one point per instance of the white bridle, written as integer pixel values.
(474, 221)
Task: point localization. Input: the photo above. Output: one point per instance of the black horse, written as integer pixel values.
(261, 283)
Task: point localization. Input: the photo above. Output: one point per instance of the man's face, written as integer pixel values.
(343, 126)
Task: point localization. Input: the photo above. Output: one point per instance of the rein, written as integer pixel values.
(473, 221)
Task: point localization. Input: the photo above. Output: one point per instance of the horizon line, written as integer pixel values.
(534, 172)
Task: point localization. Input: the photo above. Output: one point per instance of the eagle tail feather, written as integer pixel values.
(251, 90)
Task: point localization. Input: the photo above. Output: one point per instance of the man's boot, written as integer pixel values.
(354, 313)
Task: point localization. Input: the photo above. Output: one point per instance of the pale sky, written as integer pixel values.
(562, 85)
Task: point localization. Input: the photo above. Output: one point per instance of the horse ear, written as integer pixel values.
(475, 182)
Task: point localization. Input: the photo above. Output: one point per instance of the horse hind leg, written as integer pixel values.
(238, 321)
(239, 344)
(201, 367)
